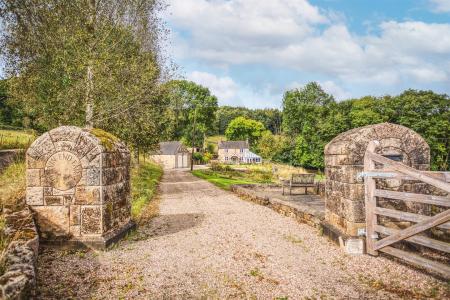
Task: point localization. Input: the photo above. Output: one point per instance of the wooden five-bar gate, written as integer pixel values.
(414, 234)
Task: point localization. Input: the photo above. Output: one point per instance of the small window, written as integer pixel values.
(242, 150)
(395, 157)
(226, 157)
(226, 150)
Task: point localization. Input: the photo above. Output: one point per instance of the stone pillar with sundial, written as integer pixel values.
(78, 185)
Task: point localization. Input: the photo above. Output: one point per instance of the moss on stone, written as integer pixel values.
(106, 139)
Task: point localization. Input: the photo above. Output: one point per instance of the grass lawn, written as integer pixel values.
(280, 171)
(15, 139)
(144, 182)
(226, 178)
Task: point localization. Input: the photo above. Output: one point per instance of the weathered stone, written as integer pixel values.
(91, 177)
(34, 177)
(53, 200)
(19, 278)
(53, 221)
(64, 146)
(79, 185)
(41, 148)
(64, 133)
(91, 220)
(63, 170)
(344, 160)
(75, 215)
(35, 196)
(87, 195)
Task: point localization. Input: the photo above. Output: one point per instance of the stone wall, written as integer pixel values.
(344, 160)
(78, 183)
(7, 157)
(19, 279)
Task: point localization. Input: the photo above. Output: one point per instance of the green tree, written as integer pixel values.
(85, 62)
(243, 128)
(428, 114)
(270, 146)
(190, 105)
(304, 107)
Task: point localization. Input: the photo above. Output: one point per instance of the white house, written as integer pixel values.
(237, 152)
(172, 155)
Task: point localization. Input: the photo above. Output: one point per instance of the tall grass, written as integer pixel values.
(144, 182)
(16, 139)
(12, 193)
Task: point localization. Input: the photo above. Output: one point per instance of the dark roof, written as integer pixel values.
(170, 148)
(233, 145)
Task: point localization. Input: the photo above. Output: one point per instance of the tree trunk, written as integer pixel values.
(89, 72)
(89, 99)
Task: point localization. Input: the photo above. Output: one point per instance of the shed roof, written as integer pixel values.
(170, 148)
(233, 145)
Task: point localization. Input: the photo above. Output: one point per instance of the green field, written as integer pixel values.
(15, 139)
(215, 139)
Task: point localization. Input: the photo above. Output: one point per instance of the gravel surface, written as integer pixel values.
(210, 244)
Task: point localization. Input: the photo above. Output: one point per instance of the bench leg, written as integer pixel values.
(283, 191)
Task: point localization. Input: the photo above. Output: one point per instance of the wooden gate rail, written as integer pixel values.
(397, 170)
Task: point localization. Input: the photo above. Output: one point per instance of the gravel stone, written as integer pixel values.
(208, 243)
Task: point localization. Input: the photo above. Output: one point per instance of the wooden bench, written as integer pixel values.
(300, 180)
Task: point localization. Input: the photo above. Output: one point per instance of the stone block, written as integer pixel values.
(91, 220)
(87, 195)
(34, 163)
(353, 211)
(34, 177)
(64, 146)
(114, 175)
(91, 177)
(75, 215)
(53, 221)
(64, 133)
(35, 196)
(75, 230)
(54, 200)
(107, 216)
(41, 148)
(68, 199)
(84, 144)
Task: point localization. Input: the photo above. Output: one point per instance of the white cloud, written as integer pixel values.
(332, 88)
(295, 34)
(328, 86)
(223, 88)
(440, 6)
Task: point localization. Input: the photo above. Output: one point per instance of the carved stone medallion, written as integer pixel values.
(63, 170)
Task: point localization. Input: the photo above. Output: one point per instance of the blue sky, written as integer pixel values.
(248, 52)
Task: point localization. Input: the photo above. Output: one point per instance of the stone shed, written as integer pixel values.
(344, 160)
(78, 185)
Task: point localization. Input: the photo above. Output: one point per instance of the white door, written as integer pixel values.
(184, 160)
(180, 161)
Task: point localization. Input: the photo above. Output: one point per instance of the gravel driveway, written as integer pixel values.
(208, 243)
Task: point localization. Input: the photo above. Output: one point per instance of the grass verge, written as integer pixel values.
(225, 179)
(15, 139)
(144, 184)
(12, 193)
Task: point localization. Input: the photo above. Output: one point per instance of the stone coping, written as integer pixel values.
(19, 278)
(309, 209)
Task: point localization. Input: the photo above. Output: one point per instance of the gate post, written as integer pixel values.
(370, 200)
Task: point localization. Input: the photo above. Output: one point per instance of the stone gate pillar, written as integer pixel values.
(344, 160)
(78, 185)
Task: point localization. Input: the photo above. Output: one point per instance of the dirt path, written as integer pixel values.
(208, 243)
